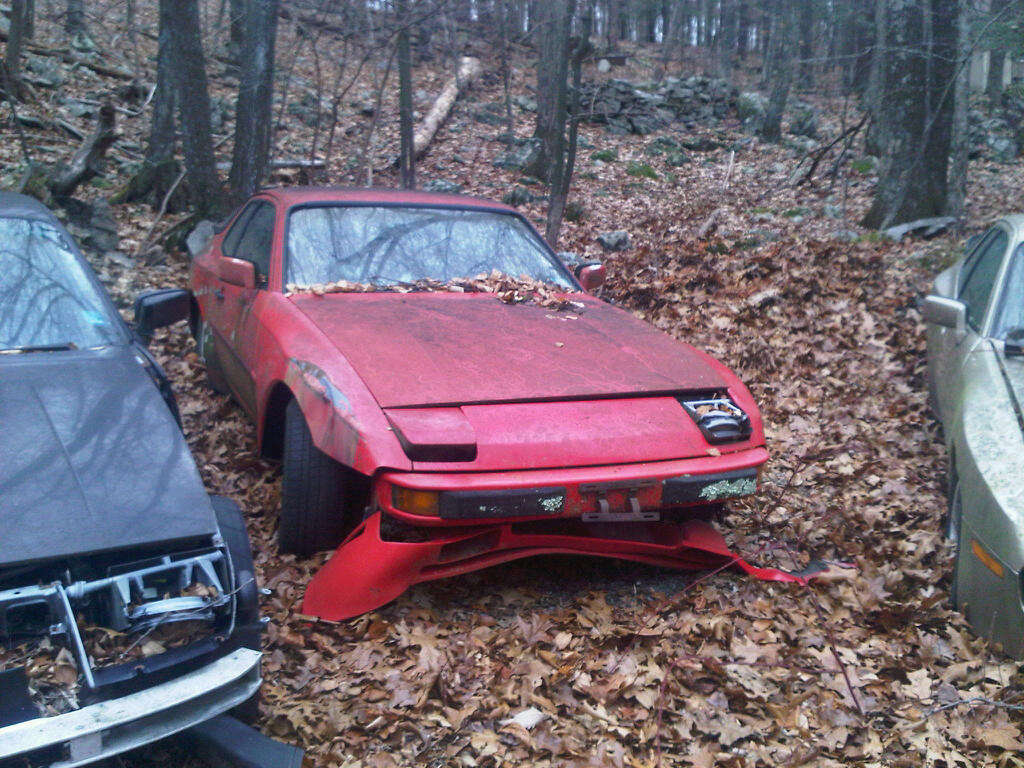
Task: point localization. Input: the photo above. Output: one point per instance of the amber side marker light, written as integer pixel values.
(415, 502)
(990, 562)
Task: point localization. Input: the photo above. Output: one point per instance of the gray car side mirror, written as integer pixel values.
(949, 313)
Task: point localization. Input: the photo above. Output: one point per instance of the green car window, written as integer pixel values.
(1011, 303)
(980, 277)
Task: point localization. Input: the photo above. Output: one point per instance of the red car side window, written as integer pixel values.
(230, 245)
(251, 237)
(258, 238)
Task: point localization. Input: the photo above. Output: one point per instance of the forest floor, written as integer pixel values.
(587, 662)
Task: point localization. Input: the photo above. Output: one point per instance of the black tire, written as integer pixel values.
(313, 514)
(248, 628)
(236, 539)
(215, 378)
(954, 511)
(954, 522)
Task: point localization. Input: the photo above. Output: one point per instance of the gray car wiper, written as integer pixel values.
(38, 348)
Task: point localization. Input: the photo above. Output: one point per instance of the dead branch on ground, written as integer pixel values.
(469, 70)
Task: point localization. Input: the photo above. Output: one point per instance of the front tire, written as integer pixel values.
(215, 378)
(313, 515)
(954, 523)
(248, 629)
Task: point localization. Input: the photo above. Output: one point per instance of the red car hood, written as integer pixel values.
(420, 349)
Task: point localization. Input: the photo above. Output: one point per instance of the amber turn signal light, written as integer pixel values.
(415, 502)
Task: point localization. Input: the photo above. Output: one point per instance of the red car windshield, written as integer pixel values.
(388, 245)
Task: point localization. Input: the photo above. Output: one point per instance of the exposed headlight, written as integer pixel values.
(719, 419)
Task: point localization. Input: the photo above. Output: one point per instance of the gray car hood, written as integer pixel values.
(91, 459)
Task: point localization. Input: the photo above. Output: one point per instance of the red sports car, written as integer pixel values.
(444, 394)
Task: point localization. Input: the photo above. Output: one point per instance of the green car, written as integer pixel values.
(975, 323)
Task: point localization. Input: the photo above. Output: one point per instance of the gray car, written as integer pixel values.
(975, 323)
(128, 603)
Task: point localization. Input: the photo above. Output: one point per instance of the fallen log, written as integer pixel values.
(469, 70)
(275, 165)
(84, 164)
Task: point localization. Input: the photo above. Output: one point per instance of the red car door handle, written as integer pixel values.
(219, 294)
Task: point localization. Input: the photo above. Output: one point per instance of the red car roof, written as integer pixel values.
(298, 195)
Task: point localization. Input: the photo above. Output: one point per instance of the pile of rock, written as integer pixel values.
(999, 135)
(628, 108)
(992, 137)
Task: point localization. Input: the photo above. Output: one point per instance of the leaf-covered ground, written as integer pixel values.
(580, 662)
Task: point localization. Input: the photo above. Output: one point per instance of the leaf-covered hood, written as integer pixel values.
(422, 349)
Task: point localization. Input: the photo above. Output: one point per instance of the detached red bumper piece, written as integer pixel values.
(367, 571)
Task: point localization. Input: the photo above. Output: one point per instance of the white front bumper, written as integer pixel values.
(110, 727)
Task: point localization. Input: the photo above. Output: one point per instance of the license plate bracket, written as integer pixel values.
(632, 514)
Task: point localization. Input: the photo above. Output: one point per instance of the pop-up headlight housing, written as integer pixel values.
(719, 419)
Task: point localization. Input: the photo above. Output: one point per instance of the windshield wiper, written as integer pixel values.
(38, 348)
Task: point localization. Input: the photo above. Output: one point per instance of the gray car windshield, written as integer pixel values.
(46, 297)
(390, 245)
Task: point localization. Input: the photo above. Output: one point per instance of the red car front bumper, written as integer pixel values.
(369, 570)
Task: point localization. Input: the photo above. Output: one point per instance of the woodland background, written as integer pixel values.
(735, 164)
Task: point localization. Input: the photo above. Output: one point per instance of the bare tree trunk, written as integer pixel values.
(506, 82)
(74, 19)
(193, 105)
(614, 10)
(960, 143)
(552, 68)
(876, 138)
(919, 78)
(805, 79)
(726, 40)
(254, 112)
(782, 71)
(236, 29)
(407, 159)
(996, 59)
(30, 19)
(562, 173)
(159, 170)
(15, 44)
(742, 28)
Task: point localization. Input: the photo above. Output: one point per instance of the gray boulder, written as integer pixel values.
(1002, 148)
(442, 185)
(615, 241)
(525, 103)
(751, 108)
(523, 154)
(92, 224)
(804, 122)
(518, 195)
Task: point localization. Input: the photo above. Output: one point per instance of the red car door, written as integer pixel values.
(233, 311)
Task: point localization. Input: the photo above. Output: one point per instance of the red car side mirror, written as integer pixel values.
(591, 276)
(236, 271)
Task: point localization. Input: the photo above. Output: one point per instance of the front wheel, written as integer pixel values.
(248, 629)
(215, 378)
(954, 524)
(313, 515)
